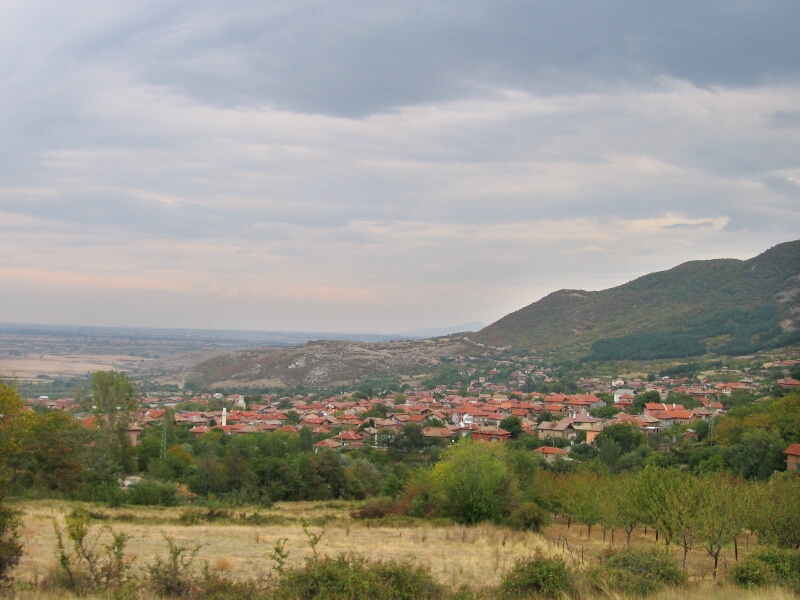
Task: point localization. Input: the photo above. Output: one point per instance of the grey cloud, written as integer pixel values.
(702, 225)
(355, 58)
(784, 118)
(782, 185)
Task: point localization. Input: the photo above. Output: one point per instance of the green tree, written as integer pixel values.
(513, 425)
(637, 407)
(776, 517)
(114, 395)
(722, 512)
(14, 423)
(472, 482)
(627, 436)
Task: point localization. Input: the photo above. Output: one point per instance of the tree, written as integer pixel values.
(14, 422)
(306, 439)
(637, 407)
(604, 412)
(630, 503)
(114, 395)
(49, 456)
(683, 494)
(472, 482)
(513, 425)
(627, 436)
(776, 518)
(722, 512)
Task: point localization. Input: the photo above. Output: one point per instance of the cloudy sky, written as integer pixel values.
(382, 166)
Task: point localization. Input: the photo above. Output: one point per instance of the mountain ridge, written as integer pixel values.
(657, 302)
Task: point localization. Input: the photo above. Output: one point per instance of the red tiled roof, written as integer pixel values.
(793, 450)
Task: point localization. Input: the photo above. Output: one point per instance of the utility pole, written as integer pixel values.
(163, 453)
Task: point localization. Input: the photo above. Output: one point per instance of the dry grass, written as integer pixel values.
(475, 557)
(575, 542)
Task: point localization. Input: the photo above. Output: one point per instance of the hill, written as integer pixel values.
(321, 364)
(726, 306)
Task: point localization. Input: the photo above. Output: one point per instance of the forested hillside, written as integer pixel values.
(727, 306)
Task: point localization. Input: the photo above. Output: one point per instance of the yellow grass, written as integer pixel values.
(476, 557)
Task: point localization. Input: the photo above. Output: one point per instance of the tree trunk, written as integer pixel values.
(736, 548)
(604, 535)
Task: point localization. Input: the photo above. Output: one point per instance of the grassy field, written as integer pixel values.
(239, 545)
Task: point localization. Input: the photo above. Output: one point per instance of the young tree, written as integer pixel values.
(722, 512)
(683, 495)
(776, 516)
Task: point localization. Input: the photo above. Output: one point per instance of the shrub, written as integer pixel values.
(209, 515)
(172, 578)
(528, 516)
(152, 493)
(546, 577)
(85, 568)
(769, 567)
(637, 571)
(374, 508)
(10, 548)
(216, 587)
(356, 578)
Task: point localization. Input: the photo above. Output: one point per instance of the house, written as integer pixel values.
(550, 454)
(558, 429)
(668, 418)
(789, 384)
(134, 431)
(437, 432)
(490, 433)
(329, 443)
(792, 457)
(349, 439)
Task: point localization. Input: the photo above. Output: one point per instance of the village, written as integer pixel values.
(351, 420)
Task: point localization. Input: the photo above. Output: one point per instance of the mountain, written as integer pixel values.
(726, 306)
(436, 332)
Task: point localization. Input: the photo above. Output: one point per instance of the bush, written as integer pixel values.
(152, 493)
(209, 515)
(172, 578)
(546, 577)
(769, 567)
(637, 571)
(216, 587)
(375, 508)
(89, 565)
(356, 578)
(10, 548)
(528, 516)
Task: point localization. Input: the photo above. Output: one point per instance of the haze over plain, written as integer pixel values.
(364, 167)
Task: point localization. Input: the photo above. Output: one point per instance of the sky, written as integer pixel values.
(382, 166)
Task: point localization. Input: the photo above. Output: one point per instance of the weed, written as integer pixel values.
(171, 578)
(87, 569)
